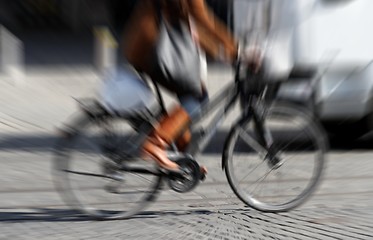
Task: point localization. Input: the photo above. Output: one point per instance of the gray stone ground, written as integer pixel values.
(30, 208)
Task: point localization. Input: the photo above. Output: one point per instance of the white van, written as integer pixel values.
(335, 36)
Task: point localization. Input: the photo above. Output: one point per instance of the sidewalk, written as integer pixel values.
(43, 98)
(31, 209)
(47, 95)
(341, 209)
(59, 68)
(31, 111)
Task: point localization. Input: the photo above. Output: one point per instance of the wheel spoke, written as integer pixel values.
(248, 174)
(293, 140)
(261, 179)
(89, 174)
(98, 190)
(298, 145)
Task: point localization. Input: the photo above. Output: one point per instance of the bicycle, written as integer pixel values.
(262, 139)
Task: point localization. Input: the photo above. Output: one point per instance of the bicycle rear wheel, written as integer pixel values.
(89, 180)
(283, 182)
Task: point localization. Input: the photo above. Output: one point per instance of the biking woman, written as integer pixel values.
(140, 37)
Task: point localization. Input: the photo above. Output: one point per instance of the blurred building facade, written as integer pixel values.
(78, 15)
(60, 31)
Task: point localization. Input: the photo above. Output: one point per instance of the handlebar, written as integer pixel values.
(300, 71)
(303, 71)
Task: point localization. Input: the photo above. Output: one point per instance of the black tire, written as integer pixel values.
(87, 185)
(349, 131)
(291, 183)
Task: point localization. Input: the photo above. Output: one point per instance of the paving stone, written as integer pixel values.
(340, 209)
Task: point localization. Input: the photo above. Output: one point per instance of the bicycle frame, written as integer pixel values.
(201, 137)
(227, 96)
(250, 90)
(255, 95)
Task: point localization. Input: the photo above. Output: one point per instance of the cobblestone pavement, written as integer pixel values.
(30, 208)
(341, 209)
(213, 222)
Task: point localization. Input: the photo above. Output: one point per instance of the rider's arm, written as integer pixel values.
(212, 26)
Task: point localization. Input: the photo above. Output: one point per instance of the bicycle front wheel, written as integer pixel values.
(89, 180)
(284, 177)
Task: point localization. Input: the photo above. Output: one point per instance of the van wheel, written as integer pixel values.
(349, 131)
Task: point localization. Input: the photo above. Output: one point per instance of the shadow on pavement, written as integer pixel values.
(66, 215)
(46, 143)
(28, 143)
(43, 215)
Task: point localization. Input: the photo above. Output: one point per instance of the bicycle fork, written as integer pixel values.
(265, 143)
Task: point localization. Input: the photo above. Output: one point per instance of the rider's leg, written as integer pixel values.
(192, 105)
(183, 141)
(171, 127)
(168, 129)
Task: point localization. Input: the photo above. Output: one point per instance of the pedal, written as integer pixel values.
(203, 177)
